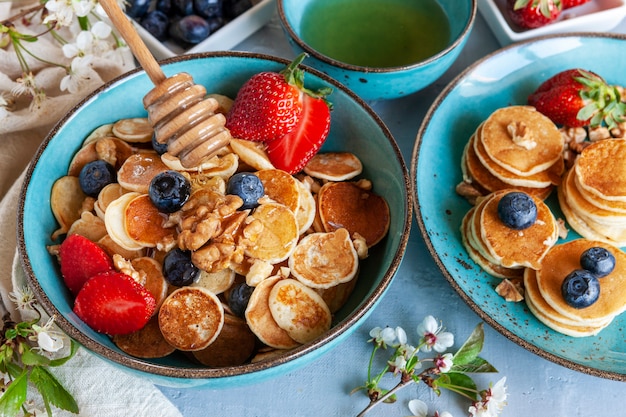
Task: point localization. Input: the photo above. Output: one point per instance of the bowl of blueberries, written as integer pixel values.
(174, 27)
(124, 218)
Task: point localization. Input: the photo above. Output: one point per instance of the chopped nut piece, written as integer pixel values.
(562, 229)
(599, 133)
(511, 290)
(468, 191)
(521, 135)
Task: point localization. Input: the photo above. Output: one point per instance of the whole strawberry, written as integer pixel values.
(531, 14)
(577, 98)
(568, 4)
(276, 108)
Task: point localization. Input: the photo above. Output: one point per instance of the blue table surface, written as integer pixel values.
(536, 386)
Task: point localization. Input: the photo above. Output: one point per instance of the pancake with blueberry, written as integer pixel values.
(552, 318)
(517, 229)
(584, 280)
(521, 140)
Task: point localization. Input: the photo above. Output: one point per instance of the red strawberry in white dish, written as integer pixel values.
(531, 14)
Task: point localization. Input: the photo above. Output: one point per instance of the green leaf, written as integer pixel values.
(52, 391)
(459, 383)
(478, 365)
(471, 348)
(15, 395)
(30, 357)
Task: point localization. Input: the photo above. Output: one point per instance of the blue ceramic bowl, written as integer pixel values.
(501, 79)
(355, 128)
(376, 83)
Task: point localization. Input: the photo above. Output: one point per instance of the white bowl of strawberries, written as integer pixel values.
(115, 234)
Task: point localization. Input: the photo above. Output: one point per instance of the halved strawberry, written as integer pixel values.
(268, 105)
(81, 259)
(114, 303)
(577, 98)
(292, 151)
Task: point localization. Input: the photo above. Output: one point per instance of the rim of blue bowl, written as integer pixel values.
(427, 239)
(200, 372)
(358, 68)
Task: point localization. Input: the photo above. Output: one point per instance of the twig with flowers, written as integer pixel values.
(27, 349)
(77, 27)
(443, 371)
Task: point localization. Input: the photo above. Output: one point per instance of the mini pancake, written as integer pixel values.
(66, 201)
(336, 296)
(550, 317)
(517, 248)
(115, 222)
(251, 153)
(541, 179)
(138, 129)
(191, 318)
(474, 236)
(585, 208)
(488, 183)
(216, 282)
(146, 343)
(233, 346)
(601, 170)
(260, 319)
(279, 236)
(138, 170)
(499, 145)
(299, 310)
(565, 258)
(307, 207)
(144, 223)
(155, 282)
(99, 132)
(323, 260)
(611, 205)
(281, 187)
(112, 248)
(334, 166)
(587, 229)
(111, 149)
(89, 225)
(109, 193)
(489, 267)
(346, 205)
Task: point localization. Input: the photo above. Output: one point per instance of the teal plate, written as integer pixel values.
(505, 78)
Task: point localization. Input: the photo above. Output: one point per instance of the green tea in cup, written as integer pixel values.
(376, 33)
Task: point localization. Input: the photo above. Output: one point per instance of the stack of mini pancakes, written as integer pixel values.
(543, 290)
(500, 250)
(515, 147)
(593, 193)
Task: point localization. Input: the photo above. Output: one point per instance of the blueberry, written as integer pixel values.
(95, 175)
(182, 7)
(517, 210)
(137, 8)
(191, 29)
(164, 6)
(156, 23)
(215, 23)
(169, 191)
(599, 261)
(238, 298)
(160, 148)
(580, 288)
(247, 186)
(178, 269)
(208, 8)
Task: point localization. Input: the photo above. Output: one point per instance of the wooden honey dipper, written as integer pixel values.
(177, 108)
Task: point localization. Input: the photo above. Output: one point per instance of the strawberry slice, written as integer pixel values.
(81, 259)
(292, 151)
(577, 98)
(114, 303)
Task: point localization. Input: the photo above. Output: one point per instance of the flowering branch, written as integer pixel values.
(445, 371)
(27, 350)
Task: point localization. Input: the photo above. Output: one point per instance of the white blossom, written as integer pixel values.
(444, 362)
(433, 336)
(386, 336)
(78, 75)
(418, 408)
(492, 401)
